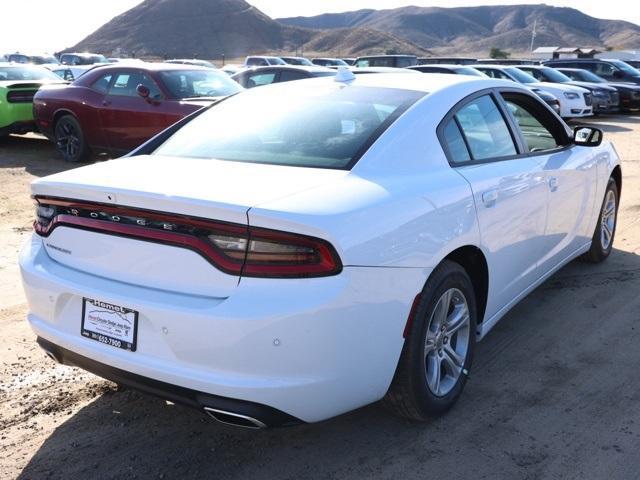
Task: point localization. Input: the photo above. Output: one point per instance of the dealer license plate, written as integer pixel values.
(109, 324)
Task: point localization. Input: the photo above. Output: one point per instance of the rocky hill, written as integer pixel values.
(479, 28)
(210, 28)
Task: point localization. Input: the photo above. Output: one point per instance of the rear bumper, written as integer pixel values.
(311, 348)
(19, 128)
(269, 417)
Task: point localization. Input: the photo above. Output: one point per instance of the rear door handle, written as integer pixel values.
(553, 184)
(489, 198)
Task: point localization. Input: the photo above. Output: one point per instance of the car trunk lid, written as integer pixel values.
(163, 193)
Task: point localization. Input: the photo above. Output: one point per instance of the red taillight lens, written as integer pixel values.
(234, 249)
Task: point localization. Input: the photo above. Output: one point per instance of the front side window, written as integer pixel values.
(496, 74)
(537, 74)
(256, 62)
(404, 62)
(126, 84)
(604, 69)
(540, 131)
(290, 75)
(485, 129)
(327, 126)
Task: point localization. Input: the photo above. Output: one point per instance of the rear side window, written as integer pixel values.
(259, 79)
(485, 129)
(458, 152)
(102, 84)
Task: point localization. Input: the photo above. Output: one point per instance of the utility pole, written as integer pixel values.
(533, 37)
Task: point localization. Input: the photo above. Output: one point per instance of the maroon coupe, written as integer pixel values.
(116, 108)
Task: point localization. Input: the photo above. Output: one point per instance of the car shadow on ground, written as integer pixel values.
(553, 394)
(34, 153)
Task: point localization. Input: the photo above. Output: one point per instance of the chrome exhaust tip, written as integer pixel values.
(234, 419)
(52, 356)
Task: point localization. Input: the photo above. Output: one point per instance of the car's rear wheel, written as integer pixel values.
(438, 351)
(602, 241)
(70, 140)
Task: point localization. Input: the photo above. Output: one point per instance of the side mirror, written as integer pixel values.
(587, 136)
(143, 91)
(618, 74)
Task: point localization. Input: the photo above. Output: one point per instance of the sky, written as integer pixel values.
(52, 25)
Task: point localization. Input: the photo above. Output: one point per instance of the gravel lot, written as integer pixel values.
(554, 392)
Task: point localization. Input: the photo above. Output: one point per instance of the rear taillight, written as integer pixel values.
(232, 248)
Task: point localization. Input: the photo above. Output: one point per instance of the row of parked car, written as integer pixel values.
(116, 107)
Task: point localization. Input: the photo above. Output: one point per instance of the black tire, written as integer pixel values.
(600, 250)
(70, 141)
(410, 394)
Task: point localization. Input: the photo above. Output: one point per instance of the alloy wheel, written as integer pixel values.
(608, 220)
(447, 342)
(68, 141)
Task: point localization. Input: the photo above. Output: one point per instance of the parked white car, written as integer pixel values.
(303, 249)
(575, 102)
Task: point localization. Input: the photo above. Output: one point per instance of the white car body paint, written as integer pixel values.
(317, 347)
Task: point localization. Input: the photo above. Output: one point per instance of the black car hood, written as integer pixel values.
(622, 85)
(591, 85)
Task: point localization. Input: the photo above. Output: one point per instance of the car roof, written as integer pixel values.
(154, 67)
(388, 56)
(305, 68)
(422, 83)
(496, 66)
(358, 70)
(440, 65)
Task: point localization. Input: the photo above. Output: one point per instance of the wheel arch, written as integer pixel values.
(475, 264)
(616, 174)
(59, 114)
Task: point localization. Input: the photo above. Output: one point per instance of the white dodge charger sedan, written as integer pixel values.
(575, 102)
(300, 250)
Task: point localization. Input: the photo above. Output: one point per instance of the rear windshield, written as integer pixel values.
(26, 73)
(322, 127)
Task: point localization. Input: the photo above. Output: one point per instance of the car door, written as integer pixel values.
(128, 120)
(509, 192)
(570, 173)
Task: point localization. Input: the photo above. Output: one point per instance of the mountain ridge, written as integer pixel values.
(235, 28)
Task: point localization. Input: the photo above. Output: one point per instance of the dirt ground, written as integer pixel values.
(554, 392)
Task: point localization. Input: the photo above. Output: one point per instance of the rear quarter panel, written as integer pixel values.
(402, 205)
(51, 103)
